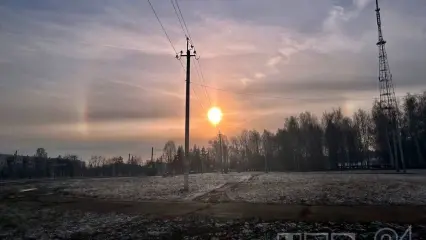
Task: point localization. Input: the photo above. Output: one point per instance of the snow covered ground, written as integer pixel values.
(333, 189)
(149, 188)
(25, 220)
(322, 188)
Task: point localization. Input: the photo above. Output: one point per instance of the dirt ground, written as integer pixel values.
(219, 207)
(35, 216)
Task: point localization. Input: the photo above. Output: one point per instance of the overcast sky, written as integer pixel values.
(100, 77)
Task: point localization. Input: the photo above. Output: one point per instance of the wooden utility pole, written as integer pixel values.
(152, 154)
(188, 56)
(221, 153)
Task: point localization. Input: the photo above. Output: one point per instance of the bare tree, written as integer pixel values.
(363, 124)
(267, 147)
(41, 153)
(137, 160)
(169, 151)
(412, 118)
(254, 141)
(292, 128)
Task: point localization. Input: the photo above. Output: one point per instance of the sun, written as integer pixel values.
(214, 115)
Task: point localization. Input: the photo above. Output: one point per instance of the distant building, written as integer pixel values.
(29, 162)
(3, 160)
(18, 161)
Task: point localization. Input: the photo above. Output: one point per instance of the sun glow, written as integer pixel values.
(214, 115)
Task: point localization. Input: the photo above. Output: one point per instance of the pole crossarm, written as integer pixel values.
(189, 48)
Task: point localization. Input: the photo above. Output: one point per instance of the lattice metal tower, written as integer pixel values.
(388, 101)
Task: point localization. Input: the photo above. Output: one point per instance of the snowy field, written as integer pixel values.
(325, 188)
(333, 189)
(149, 188)
(41, 220)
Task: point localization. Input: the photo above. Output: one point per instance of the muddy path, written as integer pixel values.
(220, 194)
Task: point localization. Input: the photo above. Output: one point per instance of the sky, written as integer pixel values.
(100, 77)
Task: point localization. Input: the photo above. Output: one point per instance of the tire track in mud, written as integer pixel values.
(219, 195)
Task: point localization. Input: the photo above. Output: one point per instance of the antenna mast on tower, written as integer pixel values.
(387, 102)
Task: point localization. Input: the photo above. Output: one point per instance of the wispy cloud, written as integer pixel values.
(272, 62)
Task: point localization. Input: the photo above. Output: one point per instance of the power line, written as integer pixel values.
(196, 96)
(165, 32)
(162, 27)
(200, 71)
(177, 15)
(183, 30)
(201, 76)
(184, 23)
(186, 32)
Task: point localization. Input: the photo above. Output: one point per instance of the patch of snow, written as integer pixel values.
(149, 188)
(28, 190)
(245, 178)
(232, 178)
(331, 189)
(201, 193)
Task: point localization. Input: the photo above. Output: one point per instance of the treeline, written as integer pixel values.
(309, 143)
(42, 166)
(200, 159)
(100, 166)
